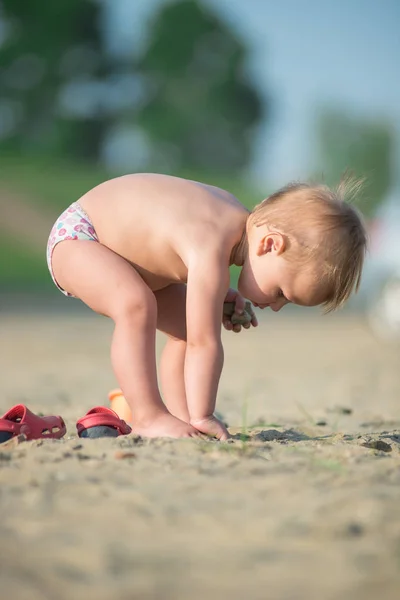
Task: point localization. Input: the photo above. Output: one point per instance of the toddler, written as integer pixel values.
(153, 252)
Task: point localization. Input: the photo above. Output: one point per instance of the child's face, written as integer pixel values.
(269, 279)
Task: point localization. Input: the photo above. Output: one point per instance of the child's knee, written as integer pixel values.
(178, 341)
(135, 305)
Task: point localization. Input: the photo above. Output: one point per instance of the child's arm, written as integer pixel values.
(208, 282)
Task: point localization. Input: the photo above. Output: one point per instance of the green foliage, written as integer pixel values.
(62, 93)
(20, 267)
(201, 107)
(47, 46)
(363, 146)
(49, 183)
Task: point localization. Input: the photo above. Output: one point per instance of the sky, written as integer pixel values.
(307, 54)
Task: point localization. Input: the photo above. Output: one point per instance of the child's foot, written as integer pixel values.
(164, 425)
(211, 426)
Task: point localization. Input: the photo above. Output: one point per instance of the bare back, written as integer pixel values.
(156, 221)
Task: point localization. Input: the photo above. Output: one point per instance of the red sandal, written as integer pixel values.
(101, 422)
(19, 419)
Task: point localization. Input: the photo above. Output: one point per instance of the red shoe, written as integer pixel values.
(19, 419)
(101, 422)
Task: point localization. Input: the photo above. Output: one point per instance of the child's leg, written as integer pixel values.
(110, 286)
(172, 369)
(171, 319)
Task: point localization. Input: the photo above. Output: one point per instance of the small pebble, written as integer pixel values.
(82, 456)
(341, 410)
(355, 530)
(244, 318)
(119, 455)
(378, 445)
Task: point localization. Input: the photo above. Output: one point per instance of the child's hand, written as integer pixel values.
(236, 309)
(211, 426)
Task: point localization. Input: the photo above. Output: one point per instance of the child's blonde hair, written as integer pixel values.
(319, 223)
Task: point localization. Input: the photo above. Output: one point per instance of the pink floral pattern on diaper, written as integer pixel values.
(73, 224)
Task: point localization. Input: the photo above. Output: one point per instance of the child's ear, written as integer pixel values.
(273, 242)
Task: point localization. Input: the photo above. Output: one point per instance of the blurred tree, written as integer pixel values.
(200, 109)
(187, 105)
(51, 69)
(360, 145)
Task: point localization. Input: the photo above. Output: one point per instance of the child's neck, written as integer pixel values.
(239, 250)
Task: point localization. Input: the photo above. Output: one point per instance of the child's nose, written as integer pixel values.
(276, 306)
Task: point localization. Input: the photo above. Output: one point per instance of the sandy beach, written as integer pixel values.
(304, 502)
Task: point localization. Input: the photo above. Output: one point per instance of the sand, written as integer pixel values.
(297, 506)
